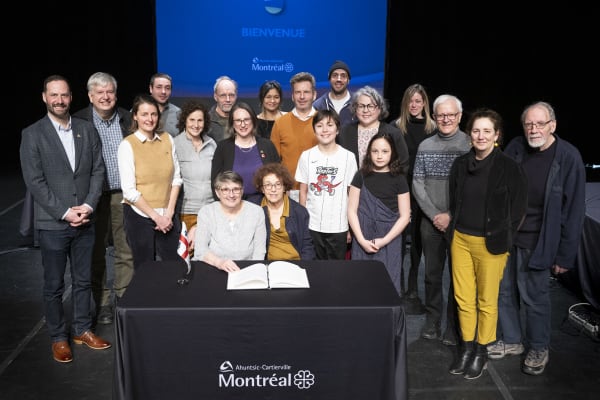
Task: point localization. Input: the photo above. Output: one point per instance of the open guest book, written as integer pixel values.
(276, 274)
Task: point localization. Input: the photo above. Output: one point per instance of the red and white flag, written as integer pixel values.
(184, 246)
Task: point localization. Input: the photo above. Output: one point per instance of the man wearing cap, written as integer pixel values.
(338, 97)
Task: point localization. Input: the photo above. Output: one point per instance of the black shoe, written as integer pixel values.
(478, 363)
(430, 331)
(449, 338)
(464, 358)
(105, 316)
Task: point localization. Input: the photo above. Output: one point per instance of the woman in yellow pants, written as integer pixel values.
(488, 199)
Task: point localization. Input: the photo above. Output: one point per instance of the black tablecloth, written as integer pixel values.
(343, 338)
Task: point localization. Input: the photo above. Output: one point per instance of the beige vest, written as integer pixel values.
(153, 160)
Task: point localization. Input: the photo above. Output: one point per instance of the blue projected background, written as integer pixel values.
(257, 40)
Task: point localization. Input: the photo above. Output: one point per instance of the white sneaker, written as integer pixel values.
(499, 349)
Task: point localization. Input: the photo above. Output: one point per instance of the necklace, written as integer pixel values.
(197, 146)
(270, 116)
(246, 149)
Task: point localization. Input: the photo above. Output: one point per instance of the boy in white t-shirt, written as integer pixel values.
(325, 172)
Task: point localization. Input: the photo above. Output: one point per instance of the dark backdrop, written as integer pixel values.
(505, 57)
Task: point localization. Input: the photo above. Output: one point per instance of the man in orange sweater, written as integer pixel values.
(293, 133)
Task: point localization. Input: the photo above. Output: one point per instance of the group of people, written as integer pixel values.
(328, 179)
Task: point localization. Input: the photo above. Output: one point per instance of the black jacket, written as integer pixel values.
(505, 199)
(124, 118)
(224, 156)
(296, 226)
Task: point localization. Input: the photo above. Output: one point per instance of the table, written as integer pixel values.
(343, 338)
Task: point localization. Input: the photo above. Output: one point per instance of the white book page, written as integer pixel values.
(283, 274)
(252, 277)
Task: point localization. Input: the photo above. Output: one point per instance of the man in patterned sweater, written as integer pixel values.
(434, 158)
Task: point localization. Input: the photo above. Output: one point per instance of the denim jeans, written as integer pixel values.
(72, 245)
(529, 288)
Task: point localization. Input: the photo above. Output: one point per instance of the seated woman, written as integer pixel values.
(231, 228)
(288, 237)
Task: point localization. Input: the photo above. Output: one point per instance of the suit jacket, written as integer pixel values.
(124, 118)
(48, 175)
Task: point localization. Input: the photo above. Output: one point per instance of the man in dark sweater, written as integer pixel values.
(547, 241)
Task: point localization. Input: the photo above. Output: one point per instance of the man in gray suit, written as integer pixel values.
(61, 161)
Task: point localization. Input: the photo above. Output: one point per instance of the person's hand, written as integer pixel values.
(557, 269)
(191, 236)
(78, 215)
(370, 246)
(228, 266)
(441, 221)
(163, 223)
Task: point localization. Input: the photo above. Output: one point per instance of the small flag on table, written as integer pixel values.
(184, 247)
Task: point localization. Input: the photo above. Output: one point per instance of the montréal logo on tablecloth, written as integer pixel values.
(263, 375)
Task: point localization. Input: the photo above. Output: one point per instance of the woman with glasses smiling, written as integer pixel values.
(231, 228)
(286, 220)
(243, 151)
(370, 109)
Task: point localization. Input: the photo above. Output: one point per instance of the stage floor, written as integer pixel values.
(28, 372)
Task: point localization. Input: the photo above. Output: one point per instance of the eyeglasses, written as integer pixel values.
(244, 121)
(227, 95)
(269, 186)
(235, 190)
(368, 107)
(440, 117)
(537, 125)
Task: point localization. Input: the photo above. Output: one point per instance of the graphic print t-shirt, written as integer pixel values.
(328, 177)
